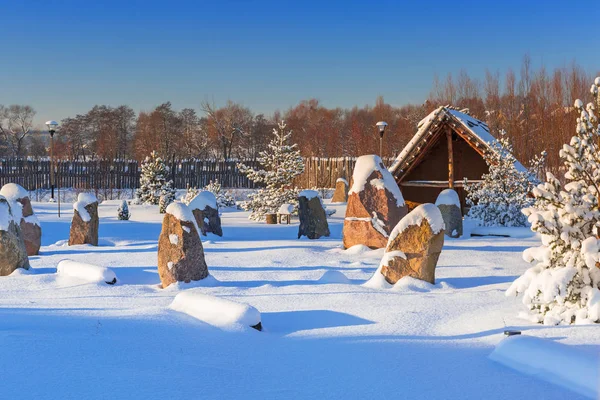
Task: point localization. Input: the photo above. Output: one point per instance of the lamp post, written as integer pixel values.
(381, 125)
(52, 125)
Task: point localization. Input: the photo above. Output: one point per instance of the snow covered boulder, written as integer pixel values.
(414, 246)
(31, 230)
(375, 204)
(449, 205)
(217, 311)
(206, 212)
(313, 219)
(13, 254)
(87, 272)
(341, 191)
(180, 251)
(84, 226)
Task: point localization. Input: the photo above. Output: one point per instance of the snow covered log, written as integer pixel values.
(551, 361)
(449, 204)
(13, 254)
(87, 272)
(22, 210)
(217, 311)
(85, 223)
(375, 204)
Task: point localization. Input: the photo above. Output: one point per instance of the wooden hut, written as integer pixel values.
(448, 147)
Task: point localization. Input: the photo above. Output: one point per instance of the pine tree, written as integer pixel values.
(190, 193)
(153, 181)
(165, 199)
(224, 198)
(281, 163)
(564, 284)
(503, 192)
(123, 211)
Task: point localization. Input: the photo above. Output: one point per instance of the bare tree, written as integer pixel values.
(227, 126)
(16, 122)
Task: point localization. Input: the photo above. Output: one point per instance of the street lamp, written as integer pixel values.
(381, 125)
(52, 125)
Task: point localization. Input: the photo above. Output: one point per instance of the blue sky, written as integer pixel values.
(63, 57)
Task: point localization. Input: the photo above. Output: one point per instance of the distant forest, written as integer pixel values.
(535, 107)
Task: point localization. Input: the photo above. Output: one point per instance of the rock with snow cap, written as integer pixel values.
(375, 204)
(180, 251)
(85, 223)
(414, 246)
(341, 191)
(449, 205)
(31, 230)
(13, 253)
(206, 211)
(313, 219)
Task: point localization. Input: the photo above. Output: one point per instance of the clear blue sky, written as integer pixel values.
(63, 57)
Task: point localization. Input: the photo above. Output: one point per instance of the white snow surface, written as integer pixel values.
(342, 180)
(551, 361)
(216, 311)
(324, 341)
(427, 211)
(286, 209)
(86, 272)
(5, 215)
(203, 199)
(87, 198)
(364, 167)
(448, 197)
(180, 211)
(13, 191)
(83, 213)
(309, 194)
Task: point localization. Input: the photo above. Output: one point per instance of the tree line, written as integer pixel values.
(534, 106)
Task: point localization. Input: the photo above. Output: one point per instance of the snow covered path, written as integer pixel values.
(63, 338)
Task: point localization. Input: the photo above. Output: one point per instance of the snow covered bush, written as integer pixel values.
(563, 286)
(503, 192)
(281, 163)
(224, 198)
(164, 201)
(153, 181)
(123, 211)
(190, 193)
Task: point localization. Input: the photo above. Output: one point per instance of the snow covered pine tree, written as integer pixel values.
(123, 211)
(153, 182)
(224, 198)
(282, 163)
(503, 192)
(563, 286)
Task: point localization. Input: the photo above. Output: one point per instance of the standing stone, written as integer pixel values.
(85, 223)
(414, 246)
(449, 205)
(375, 204)
(206, 212)
(13, 254)
(22, 210)
(313, 220)
(341, 191)
(180, 251)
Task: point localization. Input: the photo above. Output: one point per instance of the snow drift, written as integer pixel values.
(87, 272)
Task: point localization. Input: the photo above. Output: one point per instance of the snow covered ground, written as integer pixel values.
(64, 338)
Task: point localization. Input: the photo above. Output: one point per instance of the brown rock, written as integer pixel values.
(32, 237)
(341, 191)
(420, 242)
(313, 220)
(85, 223)
(31, 231)
(180, 251)
(206, 212)
(375, 205)
(199, 217)
(13, 254)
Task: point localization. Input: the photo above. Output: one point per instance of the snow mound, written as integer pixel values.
(551, 361)
(341, 180)
(334, 277)
(427, 211)
(448, 197)
(357, 249)
(286, 209)
(183, 213)
(87, 272)
(86, 198)
(216, 311)
(13, 191)
(79, 206)
(202, 200)
(309, 194)
(365, 166)
(409, 283)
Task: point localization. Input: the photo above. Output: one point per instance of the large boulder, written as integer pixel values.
(206, 212)
(341, 191)
(180, 251)
(313, 219)
(449, 204)
(85, 223)
(414, 246)
(13, 254)
(20, 203)
(375, 204)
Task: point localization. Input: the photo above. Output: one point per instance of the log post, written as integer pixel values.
(450, 159)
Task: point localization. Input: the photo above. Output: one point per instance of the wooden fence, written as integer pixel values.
(88, 175)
